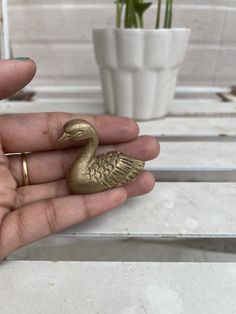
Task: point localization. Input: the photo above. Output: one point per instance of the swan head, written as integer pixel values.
(77, 130)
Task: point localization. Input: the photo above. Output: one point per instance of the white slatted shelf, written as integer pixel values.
(191, 128)
(181, 107)
(75, 287)
(136, 230)
(207, 156)
(197, 144)
(171, 210)
(195, 161)
(190, 121)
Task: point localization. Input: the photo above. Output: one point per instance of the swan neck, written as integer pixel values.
(89, 150)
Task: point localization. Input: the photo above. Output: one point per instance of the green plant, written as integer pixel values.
(129, 13)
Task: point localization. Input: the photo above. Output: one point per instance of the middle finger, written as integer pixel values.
(44, 167)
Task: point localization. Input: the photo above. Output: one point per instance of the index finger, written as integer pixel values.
(39, 132)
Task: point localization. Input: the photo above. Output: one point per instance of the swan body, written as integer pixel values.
(90, 173)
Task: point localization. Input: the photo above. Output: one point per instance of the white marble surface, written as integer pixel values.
(118, 288)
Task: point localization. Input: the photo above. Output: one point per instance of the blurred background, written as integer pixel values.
(57, 34)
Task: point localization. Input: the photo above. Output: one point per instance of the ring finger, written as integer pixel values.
(46, 167)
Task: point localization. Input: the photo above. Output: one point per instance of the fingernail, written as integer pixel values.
(21, 58)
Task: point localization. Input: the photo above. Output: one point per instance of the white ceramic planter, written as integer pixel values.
(139, 69)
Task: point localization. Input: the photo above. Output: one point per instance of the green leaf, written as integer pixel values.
(140, 8)
(133, 15)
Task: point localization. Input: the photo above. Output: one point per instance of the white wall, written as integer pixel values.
(57, 34)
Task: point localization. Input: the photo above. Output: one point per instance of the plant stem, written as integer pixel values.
(135, 21)
(121, 10)
(141, 22)
(128, 14)
(170, 15)
(166, 14)
(158, 13)
(118, 14)
(141, 17)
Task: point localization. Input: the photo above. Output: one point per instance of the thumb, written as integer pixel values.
(14, 75)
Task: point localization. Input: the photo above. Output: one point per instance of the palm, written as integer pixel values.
(8, 188)
(29, 213)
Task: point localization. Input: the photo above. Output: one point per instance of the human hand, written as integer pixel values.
(29, 213)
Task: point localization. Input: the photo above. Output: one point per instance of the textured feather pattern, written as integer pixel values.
(113, 169)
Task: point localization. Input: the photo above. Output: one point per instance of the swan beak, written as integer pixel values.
(65, 137)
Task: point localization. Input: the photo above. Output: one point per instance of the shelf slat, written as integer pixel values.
(181, 107)
(172, 210)
(75, 287)
(195, 161)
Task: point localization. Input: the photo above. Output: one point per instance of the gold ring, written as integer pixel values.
(25, 169)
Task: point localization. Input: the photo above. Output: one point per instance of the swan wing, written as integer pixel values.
(114, 169)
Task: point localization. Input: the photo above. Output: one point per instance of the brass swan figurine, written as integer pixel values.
(90, 173)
